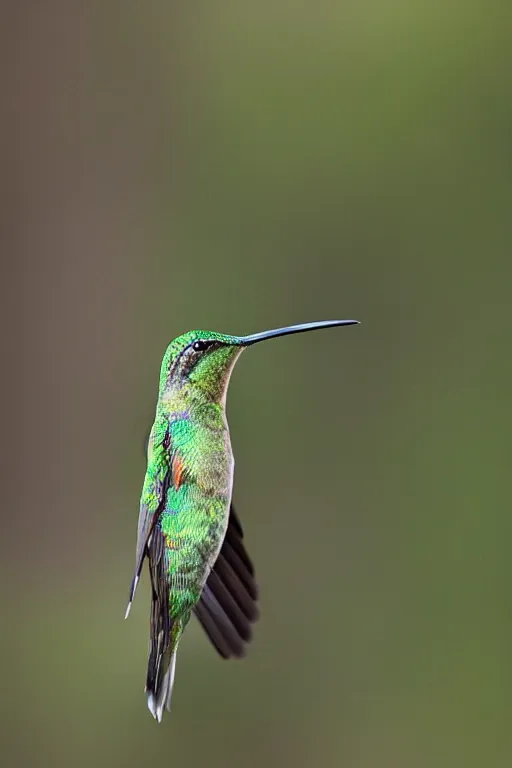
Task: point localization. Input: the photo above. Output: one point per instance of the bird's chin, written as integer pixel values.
(227, 376)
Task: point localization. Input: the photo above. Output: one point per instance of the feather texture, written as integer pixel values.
(228, 605)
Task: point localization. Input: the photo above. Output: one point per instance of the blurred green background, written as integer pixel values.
(237, 166)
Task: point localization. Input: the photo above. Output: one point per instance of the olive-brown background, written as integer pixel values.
(237, 166)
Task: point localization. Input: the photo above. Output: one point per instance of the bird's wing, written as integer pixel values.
(227, 607)
(156, 483)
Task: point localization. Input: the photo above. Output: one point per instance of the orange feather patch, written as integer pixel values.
(178, 470)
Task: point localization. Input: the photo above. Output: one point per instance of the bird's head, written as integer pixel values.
(203, 360)
(199, 360)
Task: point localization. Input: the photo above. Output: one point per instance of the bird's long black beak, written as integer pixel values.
(255, 337)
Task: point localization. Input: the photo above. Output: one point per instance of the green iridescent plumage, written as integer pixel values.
(188, 529)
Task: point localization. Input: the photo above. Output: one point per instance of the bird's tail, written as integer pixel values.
(163, 643)
(159, 685)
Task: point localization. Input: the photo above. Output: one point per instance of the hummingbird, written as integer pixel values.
(188, 528)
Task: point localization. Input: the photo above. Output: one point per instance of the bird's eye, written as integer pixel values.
(199, 346)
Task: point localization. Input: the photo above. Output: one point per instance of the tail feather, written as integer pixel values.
(172, 669)
(163, 642)
(164, 632)
(160, 695)
(160, 676)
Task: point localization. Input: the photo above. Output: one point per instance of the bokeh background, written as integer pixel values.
(237, 166)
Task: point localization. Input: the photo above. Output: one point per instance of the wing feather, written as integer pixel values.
(156, 484)
(228, 605)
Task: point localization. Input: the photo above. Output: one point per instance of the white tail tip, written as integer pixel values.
(132, 592)
(157, 704)
(153, 708)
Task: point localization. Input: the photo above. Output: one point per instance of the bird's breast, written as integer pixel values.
(215, 465)
(203, 451)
